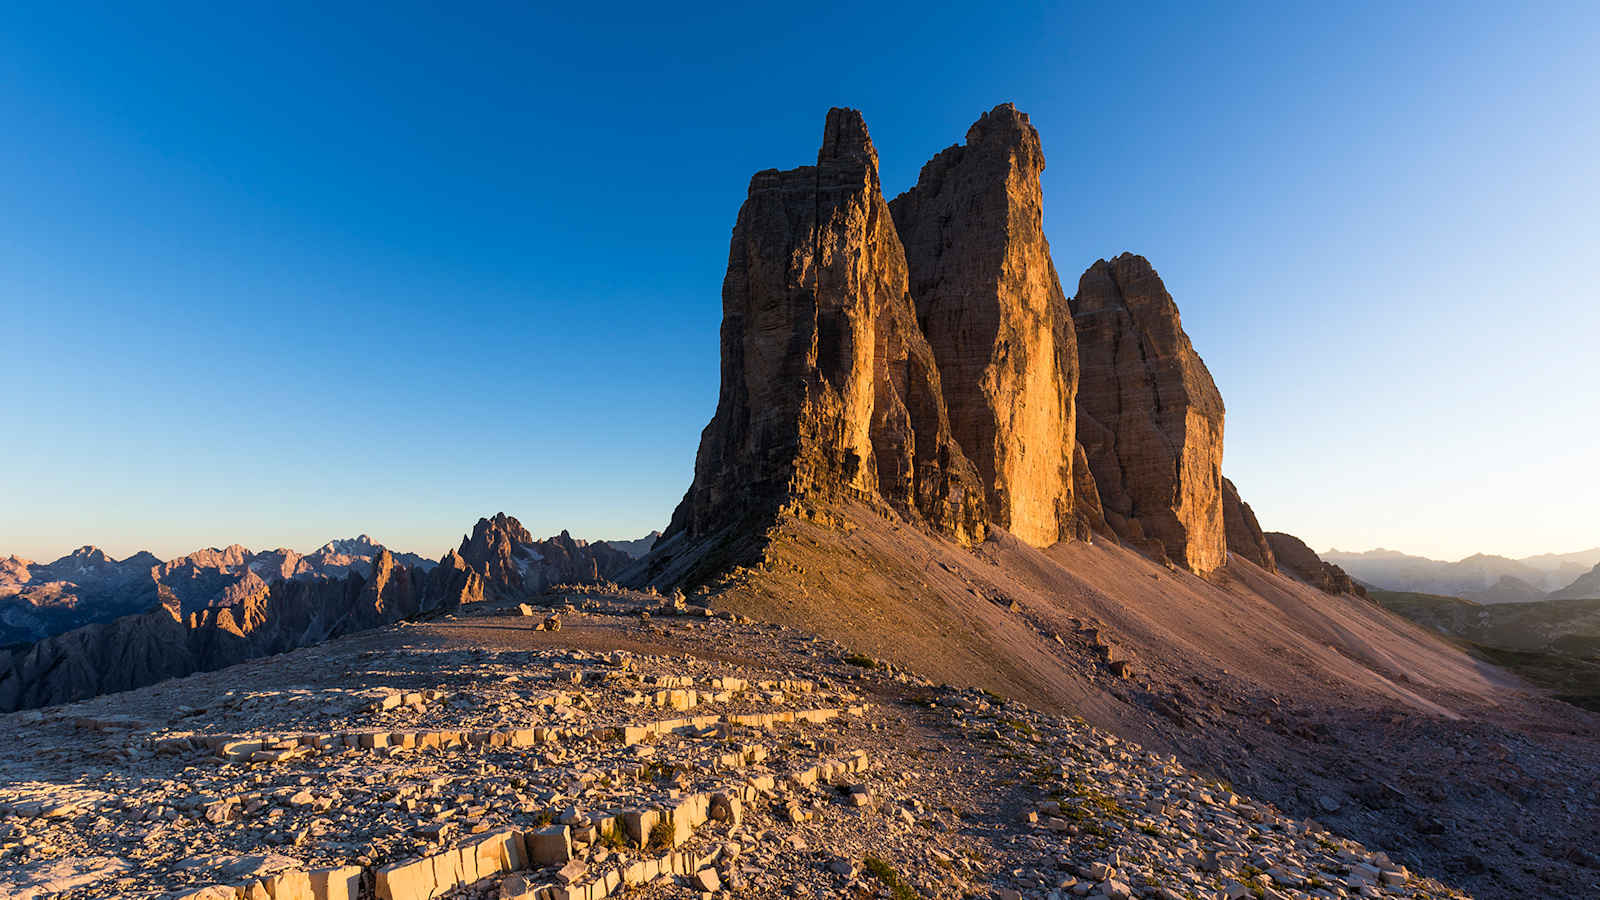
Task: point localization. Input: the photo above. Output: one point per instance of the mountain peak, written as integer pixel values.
(845, 139)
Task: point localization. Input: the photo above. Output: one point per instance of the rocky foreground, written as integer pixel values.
(644, 749)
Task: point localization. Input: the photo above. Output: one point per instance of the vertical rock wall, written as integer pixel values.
(992, 308)
(1149, 416)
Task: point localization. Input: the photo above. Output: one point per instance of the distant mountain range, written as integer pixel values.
(1480, 578)
(41, 599)
(88, 624)
(38, 600)
(637, 547)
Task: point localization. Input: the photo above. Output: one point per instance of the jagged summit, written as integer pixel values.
(511, 562)
(845, 140)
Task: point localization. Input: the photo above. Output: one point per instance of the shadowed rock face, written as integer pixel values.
(828, 385)
(1149, 416)
(1243, 531)
(991, 305)
(1302, 562)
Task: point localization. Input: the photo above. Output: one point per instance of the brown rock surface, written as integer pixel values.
(1302, 562)
(1149, 416)
(991, 306)
(1243, 531)
(1086, 495)
(828, 386)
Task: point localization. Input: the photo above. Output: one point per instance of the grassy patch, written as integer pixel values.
(1021, 727)
(865, 662)
(660, 836)
(889, 878)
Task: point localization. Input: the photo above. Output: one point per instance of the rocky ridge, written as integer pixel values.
(513, 564)
(1244, 534)
(637, 547)
(165, 642)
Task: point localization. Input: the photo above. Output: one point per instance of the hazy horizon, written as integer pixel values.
(541, 535)
(282, 279)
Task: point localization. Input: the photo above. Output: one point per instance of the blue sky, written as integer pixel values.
(277, 275)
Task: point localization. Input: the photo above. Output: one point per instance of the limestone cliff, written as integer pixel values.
(1149, 416)
(991, 305)
(828, 386)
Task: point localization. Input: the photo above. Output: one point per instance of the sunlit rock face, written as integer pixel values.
(828, 385)
(1149, 416)
(990, 302)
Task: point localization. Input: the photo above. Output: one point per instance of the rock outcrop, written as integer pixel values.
(1244, 534)
(1149, 416)
(1302, 562)
(828, 386)
(991, 305)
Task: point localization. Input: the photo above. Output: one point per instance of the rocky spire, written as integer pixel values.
(1149, 416)
(828, 386)
(990, 302)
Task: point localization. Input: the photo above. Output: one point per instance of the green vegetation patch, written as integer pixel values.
(889, 878)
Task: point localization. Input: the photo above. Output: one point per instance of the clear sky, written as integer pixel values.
(276, 274)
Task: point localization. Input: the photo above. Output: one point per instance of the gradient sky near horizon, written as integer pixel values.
(279, 273)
